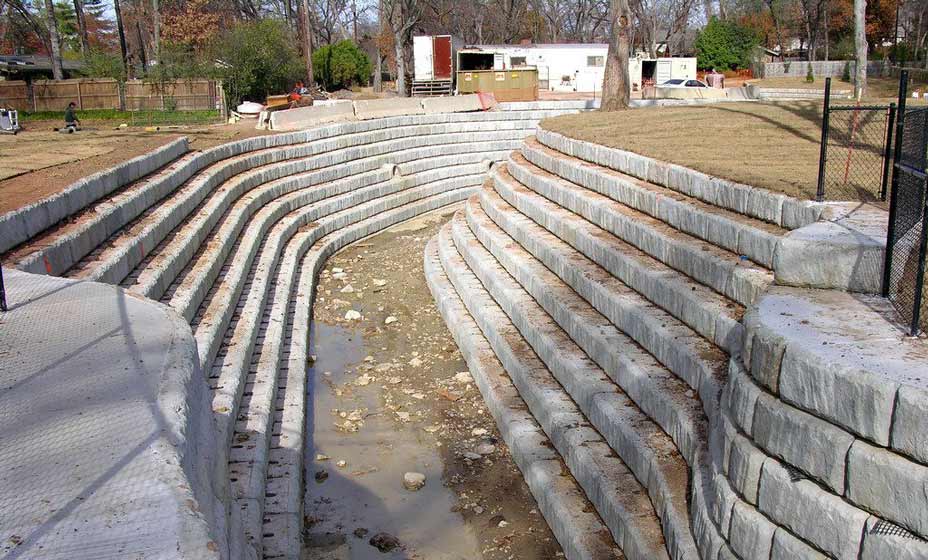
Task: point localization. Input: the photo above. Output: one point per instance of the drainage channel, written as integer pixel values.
(389, 401)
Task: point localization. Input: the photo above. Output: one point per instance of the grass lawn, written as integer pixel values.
(132, 118)
(769, 145)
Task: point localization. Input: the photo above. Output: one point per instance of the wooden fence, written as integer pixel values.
(134, 95)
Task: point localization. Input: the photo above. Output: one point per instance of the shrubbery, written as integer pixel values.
(341, 65)
(255, 59)
(725, 45)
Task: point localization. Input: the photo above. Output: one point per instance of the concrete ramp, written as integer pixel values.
(454, 104)
(391, 107)
(305, 117)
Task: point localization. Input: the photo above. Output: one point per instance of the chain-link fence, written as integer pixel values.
(907, 236)
(854, 162)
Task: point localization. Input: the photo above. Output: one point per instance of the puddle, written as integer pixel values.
(366, 496)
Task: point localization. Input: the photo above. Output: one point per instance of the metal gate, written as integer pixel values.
(907, 235)
(855, 151)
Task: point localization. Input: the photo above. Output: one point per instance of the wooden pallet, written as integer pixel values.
(431, 88)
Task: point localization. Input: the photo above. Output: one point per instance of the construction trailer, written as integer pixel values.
(580, 67)
(433, 64)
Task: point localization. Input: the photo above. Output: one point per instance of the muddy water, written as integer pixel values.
(366, 494)
(387, 398)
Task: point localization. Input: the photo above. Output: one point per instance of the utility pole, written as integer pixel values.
(308, 43)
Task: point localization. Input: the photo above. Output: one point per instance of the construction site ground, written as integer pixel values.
(39, 161)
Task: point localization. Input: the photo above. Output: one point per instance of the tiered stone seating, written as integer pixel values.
(232, 239)
(631, 305)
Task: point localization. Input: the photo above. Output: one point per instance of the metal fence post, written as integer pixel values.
(920, 274)
(2, 291)
(823, 150)
(893, 195)
(887, 153)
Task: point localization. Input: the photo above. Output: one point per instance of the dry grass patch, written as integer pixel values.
(769, 145)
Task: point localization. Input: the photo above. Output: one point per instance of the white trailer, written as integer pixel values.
(580, 67)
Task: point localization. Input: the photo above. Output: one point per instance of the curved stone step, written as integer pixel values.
(223, 219)
(643, 447)
(112, 260)
(611, 486)
(772, 207)
(573, 520)
(715, 267)
(690, 356)
(735, 232)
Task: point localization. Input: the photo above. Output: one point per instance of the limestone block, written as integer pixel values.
(881, 546)
(816, 516)
(844, 357)
(828, 255)
(751, 534)
(742, 396)
(744, 467)
(453, 104)
(889, 485)
(388, 107)
(807, 442)
(910, 423)
(766, 353)
(788, 547)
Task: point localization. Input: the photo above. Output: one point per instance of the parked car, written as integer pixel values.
(680, 83)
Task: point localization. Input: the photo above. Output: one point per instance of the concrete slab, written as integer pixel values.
(305, 117)
(105, 451)
(389, 107)
(454, 104)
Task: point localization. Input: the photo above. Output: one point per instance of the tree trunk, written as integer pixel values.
(307, 43)
(827, 9)
(142, 56)
(616, 92)
(124, 51)
(860, 47)
(710, 13)
(400, 65)
(81, 26)
(378, 62)
(54, 40)
(156, 29)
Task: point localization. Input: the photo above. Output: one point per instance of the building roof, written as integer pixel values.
(28, 63)
(545, 46)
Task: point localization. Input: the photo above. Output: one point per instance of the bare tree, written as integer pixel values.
(81, 26)
(378, 56)
(307, 41)
(402, 15)
(123, 49)
(860, 47)
(659, 20)
(54, 40)
(156, 29)
(616, 92)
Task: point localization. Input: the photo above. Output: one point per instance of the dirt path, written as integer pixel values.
(390, 395)
(39, 162)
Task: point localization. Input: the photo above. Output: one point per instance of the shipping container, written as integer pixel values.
(518, 84)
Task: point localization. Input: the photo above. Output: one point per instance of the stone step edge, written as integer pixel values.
(634, 523)
(564, 506)
(629, 432)
(748, 280)
(779, 209)
(19, 225)
(68, 248)
(174, 257)
(739, 234)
